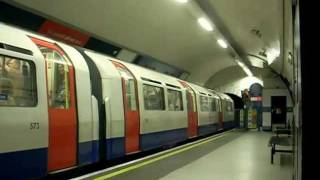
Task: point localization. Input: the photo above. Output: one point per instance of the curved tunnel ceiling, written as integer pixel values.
(167, 30)
(254, 25)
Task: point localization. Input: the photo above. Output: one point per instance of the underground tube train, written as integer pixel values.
(64, 107)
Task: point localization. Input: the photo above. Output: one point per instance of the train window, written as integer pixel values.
(204, 104)
(230, 106)
(174, 100)
(213, 106)
(153, 97)
(224, 105)
(57, 78)
(17, 82)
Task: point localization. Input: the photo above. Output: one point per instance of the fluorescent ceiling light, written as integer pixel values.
(240, 64)
(182, 1)
(205, 24)
(247, 71)
(245, 68)
(222, 43)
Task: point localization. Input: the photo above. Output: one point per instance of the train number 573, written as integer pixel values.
(34, 125)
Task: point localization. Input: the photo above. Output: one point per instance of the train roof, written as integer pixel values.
(202, 90)
(145, 74)
(222, 95)
(141, 73)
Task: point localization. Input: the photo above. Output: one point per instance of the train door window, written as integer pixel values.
(57, 78)
(191, 107)
(153, 97)
(193, 101)
(17, 82)
(218, 104)
(174, 100)
(204, 104)
(129, 88)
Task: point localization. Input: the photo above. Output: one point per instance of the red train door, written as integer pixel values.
(221, 117)
(131, 109)
(61, 106)
(192, 111)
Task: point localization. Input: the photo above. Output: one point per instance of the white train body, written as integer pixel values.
(106, 108)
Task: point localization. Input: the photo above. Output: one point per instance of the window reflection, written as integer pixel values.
(153, 97)
(57, 78)
(17, 82)
(174, 100)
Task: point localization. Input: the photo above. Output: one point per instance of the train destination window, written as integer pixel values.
(57, 78)
(153, 97)
(17, 82)
(204, 104)
(175, 100)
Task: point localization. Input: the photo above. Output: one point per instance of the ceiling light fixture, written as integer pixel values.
(205, 24)
(240, 64)
(222, 43)
(247, 71)
(245, 68)
(182, 1)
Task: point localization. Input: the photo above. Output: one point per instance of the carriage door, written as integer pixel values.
(61, 106)
(192, 111)
(131, 109)
(222, 109)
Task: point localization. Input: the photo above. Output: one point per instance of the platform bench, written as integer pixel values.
(281, 141)
(280, 131)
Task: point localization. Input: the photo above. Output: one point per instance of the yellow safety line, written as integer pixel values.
(157, 159)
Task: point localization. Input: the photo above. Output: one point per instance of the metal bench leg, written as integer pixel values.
(272, 152)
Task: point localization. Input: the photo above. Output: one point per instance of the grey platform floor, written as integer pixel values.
(236, 156)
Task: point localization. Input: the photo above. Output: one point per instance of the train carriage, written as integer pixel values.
(227, 107)
(23, 107)
(63, 107)
(208, 110)
(163, 111)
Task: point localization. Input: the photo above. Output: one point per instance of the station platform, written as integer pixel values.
(233, 155)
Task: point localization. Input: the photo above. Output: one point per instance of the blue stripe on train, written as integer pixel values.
(33, 163)
(228, 124)
(88, 152)
(207, 129)
(158, 139)
(24, 164)
(115, 148)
